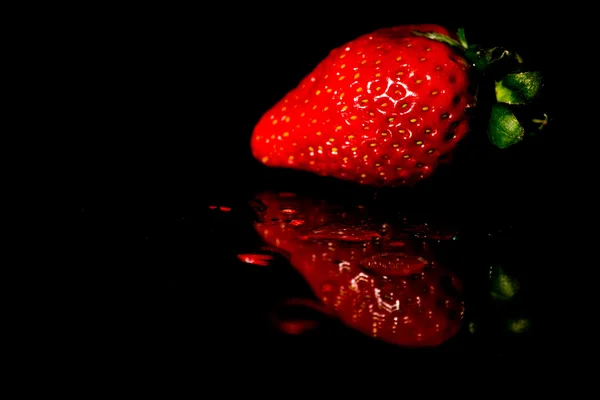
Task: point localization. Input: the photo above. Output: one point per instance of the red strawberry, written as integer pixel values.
(384, 109)
(363, 274)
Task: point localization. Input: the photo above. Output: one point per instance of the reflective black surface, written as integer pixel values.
(162, 143)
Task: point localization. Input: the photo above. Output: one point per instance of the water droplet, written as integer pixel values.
(394, 263)
(343, 232)
(296, 222)
(220, 208)
(255, 259)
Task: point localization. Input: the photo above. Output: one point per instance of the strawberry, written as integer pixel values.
(370, 276)
(388, 107)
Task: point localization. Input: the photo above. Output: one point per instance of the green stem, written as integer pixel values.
(513, 85)
(542, 122)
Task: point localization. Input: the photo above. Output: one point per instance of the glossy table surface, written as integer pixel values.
(188, 246)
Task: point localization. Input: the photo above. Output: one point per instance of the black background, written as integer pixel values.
(159, 105)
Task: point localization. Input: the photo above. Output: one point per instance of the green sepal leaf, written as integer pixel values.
(440, 38)
(504, 128)
(519, 88)
(462, 38)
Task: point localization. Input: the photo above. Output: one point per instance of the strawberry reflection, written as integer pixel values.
(375, 277)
